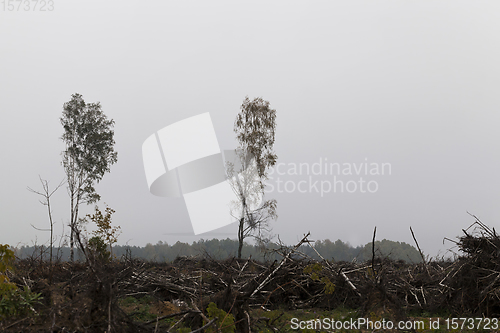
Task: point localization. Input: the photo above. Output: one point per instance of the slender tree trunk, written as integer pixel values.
(241, 226)
(51, 231)
(240, 236)
(71, 250)
(47, 194)
(51, 247)
(72, 233)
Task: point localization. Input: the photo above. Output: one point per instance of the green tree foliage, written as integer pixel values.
(225, 321)
(98, 249)
(13, 301)
(392, 250)
(255, 128)
(337, 250)
(89, 153)
(105, 232)
(6, 261)
(225, 248)
(314, 271)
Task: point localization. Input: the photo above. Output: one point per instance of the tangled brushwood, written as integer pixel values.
(195, 294)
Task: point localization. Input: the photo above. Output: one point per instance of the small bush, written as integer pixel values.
(313, 270)
(98, 249)
(224, 321)
(14, 301)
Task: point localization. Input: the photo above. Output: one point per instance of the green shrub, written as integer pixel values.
(14, 301)
(313, 270)
(98, 248)
(225, 321)
(6, 261)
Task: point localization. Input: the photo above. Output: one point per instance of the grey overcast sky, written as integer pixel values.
(414, 84)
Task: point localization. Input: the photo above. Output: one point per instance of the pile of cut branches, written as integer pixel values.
(474, 280)
(87, 296)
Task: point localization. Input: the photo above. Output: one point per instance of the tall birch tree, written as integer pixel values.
(255, 128)
(89, 154)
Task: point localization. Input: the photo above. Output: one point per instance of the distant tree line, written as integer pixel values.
(226, 248)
